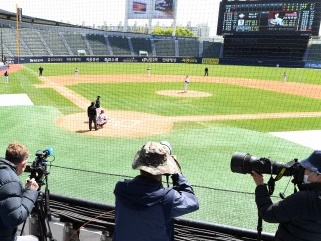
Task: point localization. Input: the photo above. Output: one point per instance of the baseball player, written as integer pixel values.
(284, 76)
(186, 83)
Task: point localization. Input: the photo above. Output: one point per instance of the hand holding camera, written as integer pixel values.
(175, 164)
(32, 184)
(258, 178)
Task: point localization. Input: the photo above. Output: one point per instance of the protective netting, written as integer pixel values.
(251, 93)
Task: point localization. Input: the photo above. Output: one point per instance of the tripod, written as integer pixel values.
(40, 216)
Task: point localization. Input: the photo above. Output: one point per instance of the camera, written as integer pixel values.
(38, 168)
(246, 163)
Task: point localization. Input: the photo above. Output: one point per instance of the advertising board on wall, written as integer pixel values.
(145, 9)
(105, 59)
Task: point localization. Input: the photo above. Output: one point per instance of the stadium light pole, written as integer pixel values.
(18, 19)
(150, 16)
(126, 16)
(2, 59)
(175, 17)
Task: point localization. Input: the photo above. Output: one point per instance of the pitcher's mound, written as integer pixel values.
(188, 94)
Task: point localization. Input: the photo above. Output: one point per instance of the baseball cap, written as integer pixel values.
(313, 162)
(154, 159)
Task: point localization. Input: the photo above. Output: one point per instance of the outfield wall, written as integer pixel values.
(185, 60)
(105, 59)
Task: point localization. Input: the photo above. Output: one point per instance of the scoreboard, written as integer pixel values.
(270, 17)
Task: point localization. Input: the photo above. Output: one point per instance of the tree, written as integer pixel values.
(180, 31)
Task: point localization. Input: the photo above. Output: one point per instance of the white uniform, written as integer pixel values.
(186, 83)
(284, 77)
(101, 119)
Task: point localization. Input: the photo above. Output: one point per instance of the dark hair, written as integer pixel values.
(16, 153)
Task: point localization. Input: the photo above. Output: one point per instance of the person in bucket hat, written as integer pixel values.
(155, 159)
(298, 215)
(144, 209)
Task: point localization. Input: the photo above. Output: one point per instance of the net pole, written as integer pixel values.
(18, 32)
(175, 17)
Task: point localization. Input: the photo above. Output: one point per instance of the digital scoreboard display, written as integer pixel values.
(269, 17)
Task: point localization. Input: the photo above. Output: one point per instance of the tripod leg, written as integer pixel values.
(39, 224)
(36, 226)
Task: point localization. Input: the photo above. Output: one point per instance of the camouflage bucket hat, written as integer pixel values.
(154, 159)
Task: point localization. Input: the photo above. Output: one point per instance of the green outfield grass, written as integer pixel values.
(203, 148)
(225, 99)
(252, 72)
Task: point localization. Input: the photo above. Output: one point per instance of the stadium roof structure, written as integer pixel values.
(29, 19)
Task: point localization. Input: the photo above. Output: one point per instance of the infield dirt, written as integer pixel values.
(127, 124)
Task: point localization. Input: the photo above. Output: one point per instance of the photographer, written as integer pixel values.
(144, 208)
(298, 215)
(16, 202)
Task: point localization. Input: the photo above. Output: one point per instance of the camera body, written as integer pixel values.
(245, 163)
(38, 168)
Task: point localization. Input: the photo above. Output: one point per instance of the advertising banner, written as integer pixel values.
(106, 59)
(313, 65)
(145, 9)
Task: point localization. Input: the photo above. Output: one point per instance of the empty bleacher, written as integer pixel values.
(10, 42)
(54, 42)
(45, 40)
(33, 41)
(211, 49)
(141, 44)
(188, 48)
(315, 52)
(164, 47)
(98, 44)
(266, 47)
(119, 45)
(76, 42)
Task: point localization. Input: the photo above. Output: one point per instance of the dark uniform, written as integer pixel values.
(97, 103)
(92, 115)
(40, 71)
(206, 72)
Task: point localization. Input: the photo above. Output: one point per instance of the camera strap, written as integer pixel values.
(259, 228)
(280, 174)
(271, 185)
(271, 182)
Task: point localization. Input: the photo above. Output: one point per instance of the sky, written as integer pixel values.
(111, 12)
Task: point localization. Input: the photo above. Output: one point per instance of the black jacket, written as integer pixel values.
(91, 111)
(298, 215)
(16, 203)
(97, 103)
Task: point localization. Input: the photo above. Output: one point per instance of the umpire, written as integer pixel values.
(92, 115)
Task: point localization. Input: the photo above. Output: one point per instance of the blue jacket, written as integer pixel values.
(16, 203)
(298, 215)
(145, 209)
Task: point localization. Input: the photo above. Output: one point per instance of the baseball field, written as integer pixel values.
(235, 108)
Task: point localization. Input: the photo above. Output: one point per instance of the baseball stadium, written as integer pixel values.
(256, 107)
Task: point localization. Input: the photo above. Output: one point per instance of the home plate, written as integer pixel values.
(311, 138)
(14, 99)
